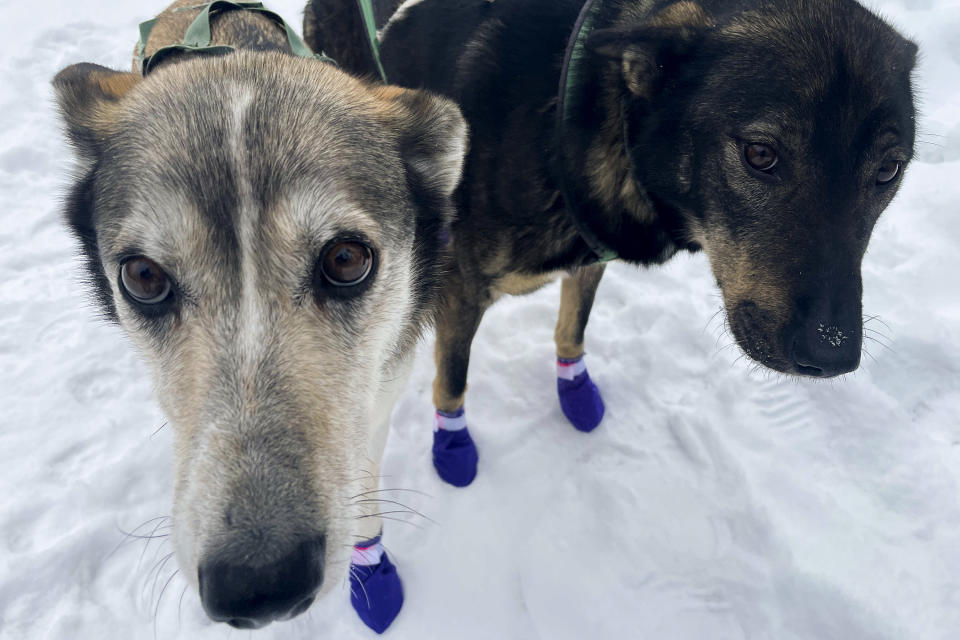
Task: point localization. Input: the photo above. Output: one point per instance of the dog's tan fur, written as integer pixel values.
(576, 300)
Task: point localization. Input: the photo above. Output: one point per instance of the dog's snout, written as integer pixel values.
(825, 340)
(247, 594)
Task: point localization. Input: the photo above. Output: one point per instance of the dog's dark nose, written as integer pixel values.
(825, 339)
(826, 351)
(249, 595)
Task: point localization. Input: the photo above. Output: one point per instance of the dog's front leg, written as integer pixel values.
(376, 591)
(579, 397)
(367, 490)
(454, 452)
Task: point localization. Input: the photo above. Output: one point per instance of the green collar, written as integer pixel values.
(571, 81)
(197, 38)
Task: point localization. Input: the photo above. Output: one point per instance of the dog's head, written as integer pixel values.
(777, 133)
(268, 231)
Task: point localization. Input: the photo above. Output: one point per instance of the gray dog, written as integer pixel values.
(268, 230)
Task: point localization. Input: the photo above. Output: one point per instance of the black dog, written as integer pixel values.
(769, 133)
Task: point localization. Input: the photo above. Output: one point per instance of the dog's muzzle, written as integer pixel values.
(822, 340)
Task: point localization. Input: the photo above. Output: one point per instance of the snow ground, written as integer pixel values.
(713, 503)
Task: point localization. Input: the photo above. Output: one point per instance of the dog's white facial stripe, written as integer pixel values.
(247, 216)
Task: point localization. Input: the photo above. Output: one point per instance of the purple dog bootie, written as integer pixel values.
(376, 592)
(454, 453)
(579, 398)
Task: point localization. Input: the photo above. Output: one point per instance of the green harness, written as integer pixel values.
(197, 38)
(366, 10)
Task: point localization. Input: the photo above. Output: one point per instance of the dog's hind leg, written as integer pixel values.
(454, 452)
(579, 397)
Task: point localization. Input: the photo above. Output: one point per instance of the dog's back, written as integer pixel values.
(239, 29)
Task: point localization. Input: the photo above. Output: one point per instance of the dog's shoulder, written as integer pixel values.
(478, 48)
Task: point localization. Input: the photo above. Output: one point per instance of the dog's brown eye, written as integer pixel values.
(761, 157)
(888, 172)
(145, 281)
(346, 264)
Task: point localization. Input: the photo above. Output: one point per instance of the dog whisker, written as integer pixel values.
(726, 347)
(366, 493)
(360, 582)
(394, 502)
(879, 339)
(158, 430)
(346, 578)
(369, 477)
(358, 537)
(131, 535)
(867, 327)
(149, 539)
(386, 517)
(152, 536)
(720, 336)
(741, 357)
(881, 343)
(156, 611)
(180, 602)
(385, 513)
(146, 547)
(156, 571)
(712, 318)
(876, 332)
(868, 319)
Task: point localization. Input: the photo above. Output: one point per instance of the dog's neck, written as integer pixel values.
(618, 203)
(618, 208)
(609, 168)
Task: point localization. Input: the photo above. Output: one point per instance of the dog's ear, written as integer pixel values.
(649, 51)
(433, 138)
(88, 95)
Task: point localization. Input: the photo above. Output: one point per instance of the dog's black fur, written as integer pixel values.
(672, 94)
(339, 27)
